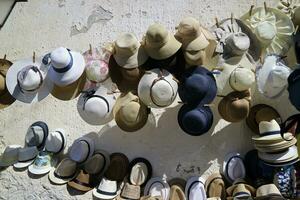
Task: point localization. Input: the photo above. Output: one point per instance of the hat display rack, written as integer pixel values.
(127, 78)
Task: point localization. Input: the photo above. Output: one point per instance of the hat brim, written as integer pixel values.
(106, 156)
(190, 183)
(272, 138)
(103, 196)
(137, 59)
(59, 181)
(28, 97)
(286, 156)
(20, 165)
(39, 171)
(160, 180)
(272, 148)
(4, 163)
(78, 186)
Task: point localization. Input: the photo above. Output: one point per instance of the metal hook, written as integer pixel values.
(4, 58)
(33, 57)
(91, 51)
(296, 29)
(217, 22)
(251, 9)
(266, 8)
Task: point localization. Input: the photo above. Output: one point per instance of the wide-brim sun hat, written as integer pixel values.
(43, 163)
(65, 171)
(157, 187)
(9, 156)
(233, 167)
(39, 85)
(195, 188)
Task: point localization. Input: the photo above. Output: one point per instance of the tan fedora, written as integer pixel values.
(261, 112)
(240, 189)
(130, 113)
(82, 182)
(267, 190)
(118, 168)
(131, 191)
(159, 43)
(6, 98)
(235, 106)
(215, 186)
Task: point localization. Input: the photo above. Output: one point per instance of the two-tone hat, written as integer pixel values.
(6, 98)
(239, 190)
(81, 149)
(37, 134)
(157, 88)
(215, 186)
(26, 156)
(82, 182)
(107, 189)
(293, 85)
(118, 168)
(268, 192)
(157, 187)
(233, 167)
(195, 188)
(56, 141)
(140, 171)
(65, 171)
(9, 156)
(42, 164)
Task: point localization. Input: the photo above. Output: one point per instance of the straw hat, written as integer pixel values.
(9, 156)
(107, 189)
(157, 88)
(131, 191)
(273, 29)
(5, 97)
(157, 187)
(240, 189)
(118, 168)
(215, 186)
(130, 113)
(56, 141)
(26, 156)
(267, 190)
(293, 87)
(159, 43)
(82, 182)
(276, 146)
(64, 172)
(241, 79)
(43, 163)
(233, 167)
(140, 171)
(194, 188)
(36, 135)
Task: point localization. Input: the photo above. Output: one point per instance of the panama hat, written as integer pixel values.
(42, 164)
(26, 156)
(241, 79)
(261, 112)
(82, 182)
(272, 77)
(233, 167)
(27, 80)
(157, 187)
(159, 43)
(293, 85)
(130, 113)
(37, 134)
(98, 163)
(65, 171)
(95, 106)
(56, 141)
(215, 186)
(9, 156)
(195, 121)
(81, 149)
(268, 190)
(5, 97)
(240, 189)
(235, 106)
(194, 189)
(131, 191)
(272, 27)
(177, 193)
(128, 51)
(157, 88)
(107, 189)
(96, 65)
(140, 171)
(197, 86)
(118, 168)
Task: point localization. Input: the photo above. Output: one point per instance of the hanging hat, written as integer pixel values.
(37, 134)
(195, 121)
(157, 88)
(259, 113)
(131, 191)
(81, 149)
(293, 87)
(42, 164)
(194, 189)
(56, 141)
(215, 186)
(157, 187)
(198, 86)
(241, 79)
(26, 157)
(140, 171)
(268, 190)
(118, 168)
(159, 43)
(5, 97)
(64, 172)
(27, 80)
(240, 189)
(95, 106)
(272, 77)
(81, 182)
(233, 167)
(107, 189)
(98, 163)
(9, 156)
(235, 106)
(130, 113)
(128, 51)
(272, 28)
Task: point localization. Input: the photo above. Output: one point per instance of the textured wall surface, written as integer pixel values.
(41, 26)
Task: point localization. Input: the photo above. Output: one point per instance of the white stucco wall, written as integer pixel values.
(42, 25)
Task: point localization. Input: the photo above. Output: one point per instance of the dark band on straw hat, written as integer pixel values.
(35, 69)
(90, 94)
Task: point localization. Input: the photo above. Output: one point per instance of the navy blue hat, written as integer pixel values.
(293, 88)
(195, 121)
(198, 86)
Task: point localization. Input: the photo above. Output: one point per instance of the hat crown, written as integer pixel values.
(29, 78)
(241, 191)
(238, 43)
(266, 32)
(241, 78)
(55, 141)
(34, 136)
(157, 34)
(271, 126)
(268, 189)
(27, 153)
(94, 164)
(79, 151)
(11, 152)
(2, 84)
(130, 112)
(279, 76)
(189, 27)
(96, 107)
(97, 70)
(60, 58)
(66, 168)
(126, 44)
(108, 185)
(42, 159)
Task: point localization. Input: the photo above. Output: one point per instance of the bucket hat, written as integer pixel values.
(26, 156)
(194, 189)
(65, 171)
(233, 167)
(159, 43)
(130, 113)
(95, 106)
(37, 134)
(197, 86)
(56, 141)
(240, 189)
(140, 171)
(107, 189)
(195, 121)
(81, 149)
(128, 51)
(235, 106)
(157, 88)
(118, 168)
(272, 77)
(293, 85)
(6, 98)
(268, 190)
(272, 28)
(82, 182)
(261, 112)
(215, 186)
(157, 187)
(131, 191)
(27, 80)
(9, 156)
(42, 164)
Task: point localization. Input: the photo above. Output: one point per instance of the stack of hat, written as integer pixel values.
(275, 148)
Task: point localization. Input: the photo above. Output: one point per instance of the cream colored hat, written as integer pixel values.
(159, 43)
(273, 29)
(266, 190)
(241, 79)
(128, 52)
(157, 88)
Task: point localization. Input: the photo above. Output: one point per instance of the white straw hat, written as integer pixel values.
(26, 156)
(81, 149)
(42, 164)
(9, 155)
(157, 187)
(107, 189)
(56, 141)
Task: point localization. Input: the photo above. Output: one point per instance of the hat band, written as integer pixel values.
(241, 194)
(62, 142)
(106, 193)
(66, 68)
(270, 133)
(189, 190)
(35, 69)
(81, 183)
(64, 177)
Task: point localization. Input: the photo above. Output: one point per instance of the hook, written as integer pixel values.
(33, 57)
(91, 51)
(231, 18)
(296, 29)
(217, 22)
(4, 58)
(266, 8)
(251, 9)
